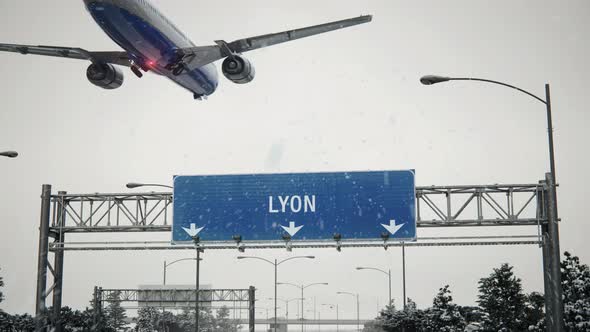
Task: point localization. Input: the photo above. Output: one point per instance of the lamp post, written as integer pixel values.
(132, 185)
(358, 319)
(337, 319)
(196, 240)
(176, 261)
(276, 264)
(302, 287)
(388, 273)
(9, 154)
(551, 251)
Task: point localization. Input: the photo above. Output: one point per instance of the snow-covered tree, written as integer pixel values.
(534, 312)
(223, 323)
(1, 285)
(444, 315)
(575, 280)
(501, 298)
(115, 314)
(146, 319)
(391, 320)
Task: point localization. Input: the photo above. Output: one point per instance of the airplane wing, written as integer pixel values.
(200, 56)
(118, 58)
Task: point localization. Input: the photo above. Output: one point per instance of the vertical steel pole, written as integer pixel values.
(301, 308)
(553, 227)
(358, 315)
(98, 321)
(546, 251)
(164, 281)
(59, 263)
(337, 320)
(314, 313)
(42, 256)
(554, 261)
(197, 288)
(252, 307)
(276, 265)
(389, 274)
(94, 316)
(404, 272)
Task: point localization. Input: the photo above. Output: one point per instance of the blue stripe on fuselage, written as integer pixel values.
(145, 42)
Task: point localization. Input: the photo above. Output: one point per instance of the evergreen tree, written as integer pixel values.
(5, 321)
(534, 312)
(1, 285)
(96, 317)
(473, 315)
(115, 314)
(444, 314)
(391, 320)
(147, 318)
(223, 323)
(186, 320)
(575, 280)
(501, 298)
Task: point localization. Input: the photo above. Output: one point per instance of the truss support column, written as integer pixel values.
(542, 213)
(97, 302)
(59, 263)
(547, 279)
(251, 308)
(40, 309)
(553, 250)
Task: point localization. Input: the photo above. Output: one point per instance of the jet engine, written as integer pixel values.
(105, 75)
(238, 69)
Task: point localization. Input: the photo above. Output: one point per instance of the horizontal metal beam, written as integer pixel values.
(173, 295)
(307, 321)
(437, 206)
(205, 245)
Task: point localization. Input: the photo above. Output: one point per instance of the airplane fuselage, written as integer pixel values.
(151, 41)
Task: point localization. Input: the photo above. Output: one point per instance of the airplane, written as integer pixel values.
(152, 43)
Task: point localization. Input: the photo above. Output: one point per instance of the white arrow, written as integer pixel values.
(392, 227)
(193, 231)
(292, 230)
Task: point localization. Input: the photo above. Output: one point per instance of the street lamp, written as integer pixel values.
(388, 273)
(276, 264)
(132, 185)
(358, 319)
(551, 251)
(176, 261)
(302, 287)
(331, 307)
(9, 154)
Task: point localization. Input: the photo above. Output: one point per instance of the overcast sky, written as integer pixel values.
(348, 100)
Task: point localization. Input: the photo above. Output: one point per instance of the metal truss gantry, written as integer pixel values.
(436, 206)
(171, 297)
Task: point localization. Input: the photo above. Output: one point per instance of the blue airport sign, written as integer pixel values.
(305, 206)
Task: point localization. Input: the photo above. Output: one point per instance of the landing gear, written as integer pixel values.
(178, 69)
(199, 96)
(178, 63)
(136, 71)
